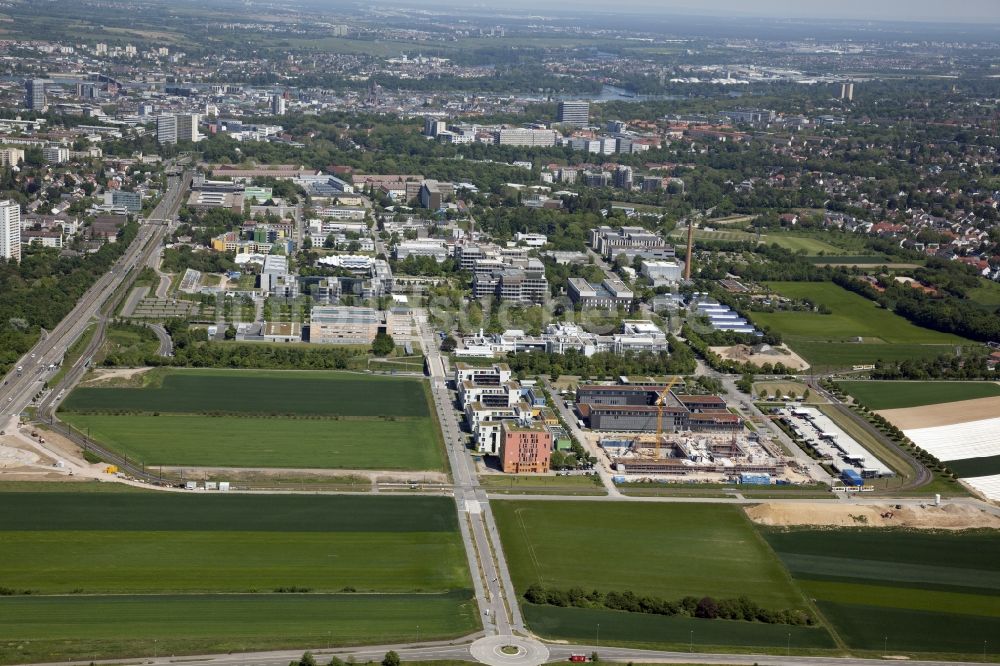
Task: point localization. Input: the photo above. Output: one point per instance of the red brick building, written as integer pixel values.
(524, 449)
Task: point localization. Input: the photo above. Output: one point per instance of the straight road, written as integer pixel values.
(461, 652)
(495, 593)
(20, 387)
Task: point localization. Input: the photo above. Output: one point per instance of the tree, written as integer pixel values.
(391, 659)
(337, 661)
(306, 660)
(230, 332)
(448, 344)
(383, 344)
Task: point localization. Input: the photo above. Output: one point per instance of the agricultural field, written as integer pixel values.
(900, 592)
(216, 573)
(665, 550)
(828, 340)
(264, 419)
(901, 394)
(954, 421)
(230, 441)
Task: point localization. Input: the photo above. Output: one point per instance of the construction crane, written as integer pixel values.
(661, 401)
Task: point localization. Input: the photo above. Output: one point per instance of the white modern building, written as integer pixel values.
(10, 230)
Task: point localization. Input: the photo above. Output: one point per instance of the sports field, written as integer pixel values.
(896, 395)
(299, 566)
(669, 551)
(900, 591)
(828, 340)
(264, 419)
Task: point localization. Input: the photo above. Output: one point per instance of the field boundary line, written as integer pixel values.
(531, 548)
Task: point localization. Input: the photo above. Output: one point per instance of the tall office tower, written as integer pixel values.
(277, 105)
(187, 127)
(34, 94)
(10, 230)
(166, 129)
(574, 114)
(623, 177)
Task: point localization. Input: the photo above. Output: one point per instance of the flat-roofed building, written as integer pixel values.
(10, 230)
(611, 293)
(525, 448)
(11, 156)
(345, 325)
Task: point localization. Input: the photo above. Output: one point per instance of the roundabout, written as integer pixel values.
(509, 651)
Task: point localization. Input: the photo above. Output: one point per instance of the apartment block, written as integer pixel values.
(525, 448)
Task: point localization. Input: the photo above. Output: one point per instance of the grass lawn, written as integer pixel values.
(823, 355)
(668, 550)
(828, 340)
(512, 484)
(111, 570)
(259, 392)
(894, 395)
(902, 591)
(852, 316)
(229, 441)
(810, 244)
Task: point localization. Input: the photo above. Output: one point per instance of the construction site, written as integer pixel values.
(647, 431)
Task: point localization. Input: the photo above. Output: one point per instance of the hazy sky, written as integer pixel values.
(977, 11)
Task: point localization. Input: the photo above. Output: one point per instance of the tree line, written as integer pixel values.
(741, 608)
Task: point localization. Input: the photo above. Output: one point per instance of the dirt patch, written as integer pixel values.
(746, 354)
(108, 377)
(264, 474)
(928, 516)
(946, 413)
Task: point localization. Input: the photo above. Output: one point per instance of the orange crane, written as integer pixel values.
(661, 401)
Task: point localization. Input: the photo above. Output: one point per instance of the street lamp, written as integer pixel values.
(885, 644)
(691, 641)
(598, 635)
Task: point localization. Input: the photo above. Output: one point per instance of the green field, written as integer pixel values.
(901, 591)
(896, 395)
(828, 340)
(227, 441)
(665, 550)
(808, 244)
(223, 418)
(658, 631)
(563, 544)
(92, 560)
(259, 392)
(67, 628)
(985, 466)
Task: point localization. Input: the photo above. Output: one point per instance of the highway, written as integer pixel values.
(38, 365)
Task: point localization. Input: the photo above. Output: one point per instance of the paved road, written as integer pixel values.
(494, 590)
(463, 651)
(166, 347)
(603, 461)
(921, 475)
(19, 388)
